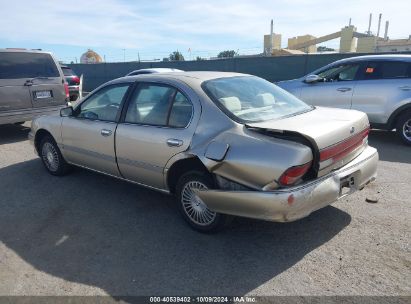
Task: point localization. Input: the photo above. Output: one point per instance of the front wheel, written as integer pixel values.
(193, 209)
(404, 127)
(51, 156)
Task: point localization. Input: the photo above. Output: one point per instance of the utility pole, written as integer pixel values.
(271, 37)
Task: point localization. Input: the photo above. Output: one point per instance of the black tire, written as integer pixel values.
(51, 157)
(404, 127)
(208, 221)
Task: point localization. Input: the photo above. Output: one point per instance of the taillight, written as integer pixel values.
(293, 174)
(66, 89)
(340, 150)
(76, 80)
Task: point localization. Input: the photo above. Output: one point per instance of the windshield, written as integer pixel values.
(252, 99)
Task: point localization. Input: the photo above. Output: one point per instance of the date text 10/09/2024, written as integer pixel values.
(203, 299)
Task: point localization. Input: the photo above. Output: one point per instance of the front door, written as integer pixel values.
(89, 135)
(155, 128)
(335, 90)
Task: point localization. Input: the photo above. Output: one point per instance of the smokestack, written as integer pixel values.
(271, 37)
(387, 23)
(379, 26)
(349, 23)
(369, 25)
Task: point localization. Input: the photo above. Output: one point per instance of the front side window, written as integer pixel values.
(387, 70)
(104, 104)
(159, 105)
(16, 65)
(343, 72)
(252, 99)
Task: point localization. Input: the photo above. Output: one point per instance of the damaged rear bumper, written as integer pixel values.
(294, 203)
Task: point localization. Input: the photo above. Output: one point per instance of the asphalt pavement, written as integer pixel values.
(89, 234)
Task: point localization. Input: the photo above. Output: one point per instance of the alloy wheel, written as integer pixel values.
(50, 157)
(194, 207)
(406, 129)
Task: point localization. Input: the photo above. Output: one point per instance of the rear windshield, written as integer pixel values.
(252, 99)
(14, 65)
(68, 72)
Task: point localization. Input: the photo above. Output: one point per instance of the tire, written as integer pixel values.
(404, 127)
(193, 210)
(51, 157)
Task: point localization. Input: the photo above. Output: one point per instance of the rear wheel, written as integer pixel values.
(51, 156)
(192, 208)
(404, 127)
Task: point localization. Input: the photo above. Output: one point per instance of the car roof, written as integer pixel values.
(21, 50)
(376, 57)
(197, 76)
(154, 70)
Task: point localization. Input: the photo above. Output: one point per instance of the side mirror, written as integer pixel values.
(312, 78)
(66, 112)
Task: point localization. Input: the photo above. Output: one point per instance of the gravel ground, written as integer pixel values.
(88, 234)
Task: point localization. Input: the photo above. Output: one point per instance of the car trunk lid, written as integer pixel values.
(337, 136)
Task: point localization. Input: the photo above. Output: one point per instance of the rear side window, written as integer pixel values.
(181, 111)
(159, 105)
(68, 72)
(149, 105)
(15, 65)
(387, 70)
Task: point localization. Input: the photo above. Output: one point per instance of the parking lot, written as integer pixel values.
(88, 234)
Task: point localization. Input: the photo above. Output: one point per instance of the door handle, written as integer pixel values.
(344, 89)
(106, 132)
(172, 142)
(405, 88)
(28, 83)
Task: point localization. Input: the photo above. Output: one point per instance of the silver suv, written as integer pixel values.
(31, 84)
(379, 85)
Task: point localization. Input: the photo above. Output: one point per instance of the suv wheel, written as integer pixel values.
(193, 209)
(404, 127)
(51, 156)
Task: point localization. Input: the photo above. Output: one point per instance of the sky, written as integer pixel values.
(126, 30)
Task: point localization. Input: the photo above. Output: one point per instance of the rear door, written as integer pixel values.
(14, 94)
(381, 87)
(337, 88)
(158, 124)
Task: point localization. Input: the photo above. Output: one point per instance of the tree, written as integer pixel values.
(227, 54)
(176, 56)
(198, 58)
(324, 49)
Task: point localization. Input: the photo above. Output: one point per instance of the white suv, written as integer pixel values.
(379, 85)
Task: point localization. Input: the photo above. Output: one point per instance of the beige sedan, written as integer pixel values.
(224, 144)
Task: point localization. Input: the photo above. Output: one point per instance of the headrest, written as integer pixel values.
(233, 104)
(263, 100)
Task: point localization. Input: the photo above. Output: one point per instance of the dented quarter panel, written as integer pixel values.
(255, 160)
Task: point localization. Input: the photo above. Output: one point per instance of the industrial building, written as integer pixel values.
(350, 41)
